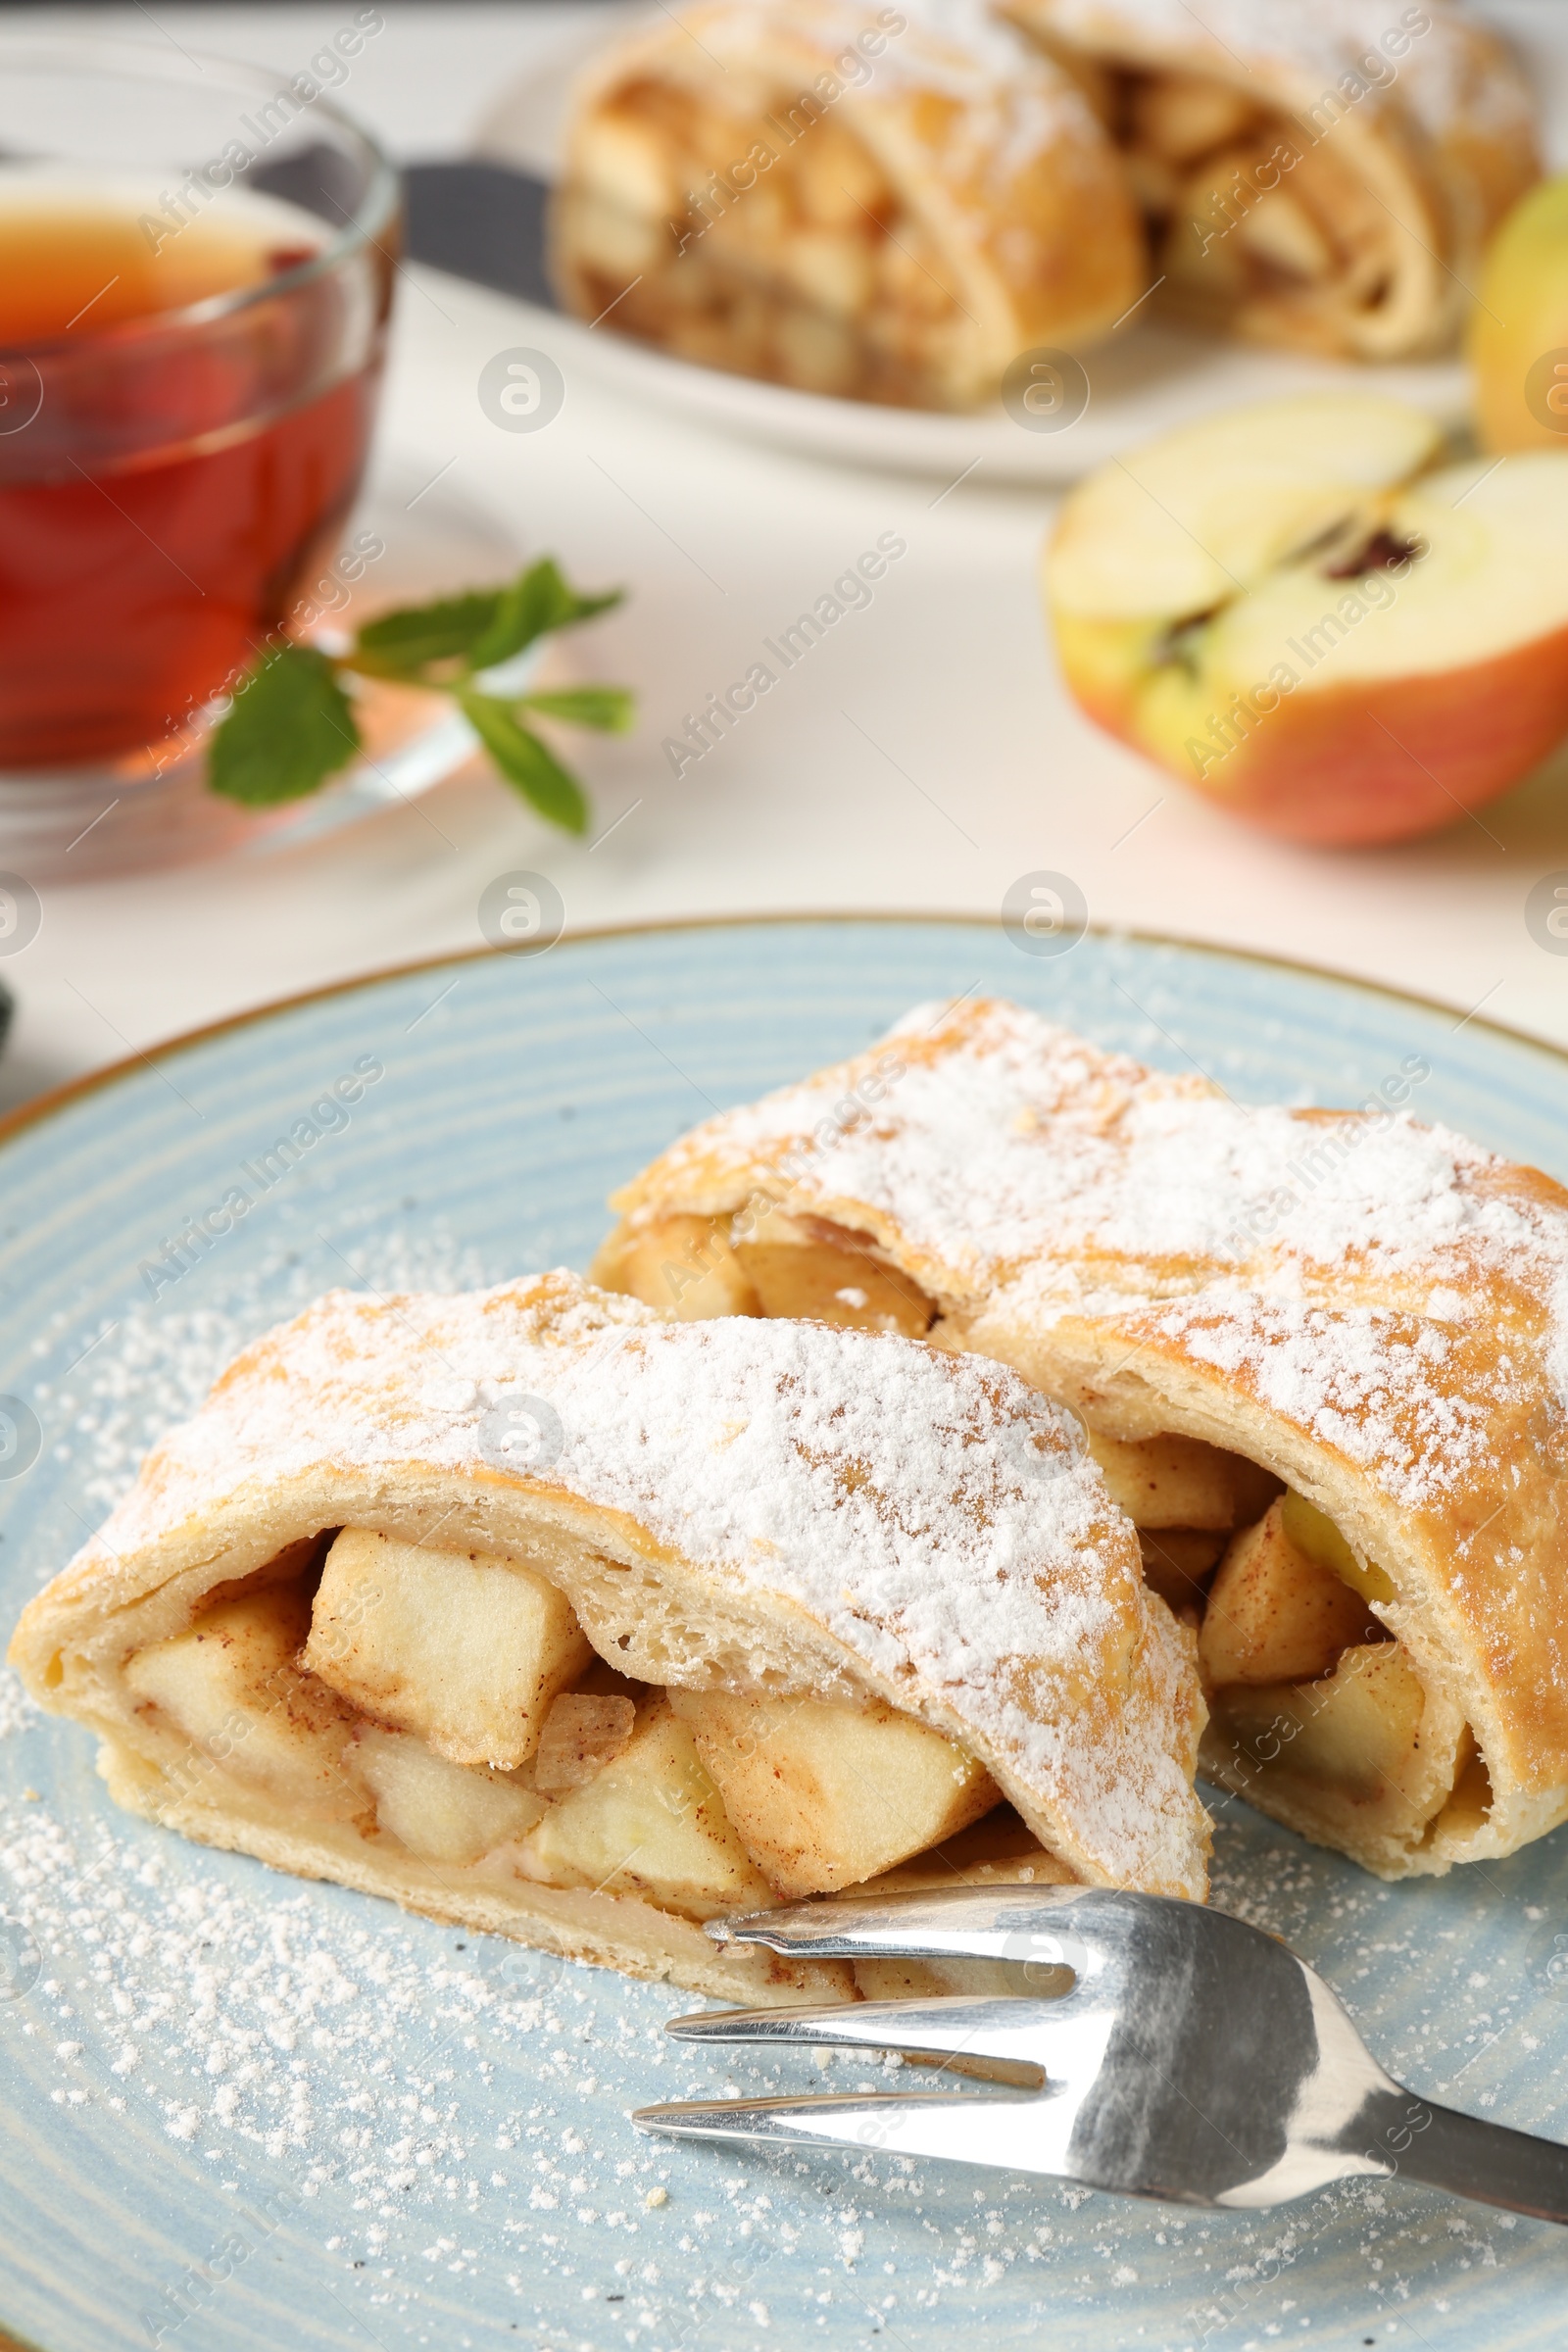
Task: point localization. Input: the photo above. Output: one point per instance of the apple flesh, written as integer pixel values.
(825, 1795)
(650, 1824)
(1520, 322)
(686, 1266)
(1300, 611)
(1171, 1481)
(459, 1649)
(441, 1812)
(1276, 1614)
(1357, 1730)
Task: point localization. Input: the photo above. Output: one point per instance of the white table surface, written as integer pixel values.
(924, 757)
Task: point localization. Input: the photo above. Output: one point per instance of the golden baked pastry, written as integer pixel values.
(1318, 174)
(1321, 1357)
(775, 1608)
(882, 203)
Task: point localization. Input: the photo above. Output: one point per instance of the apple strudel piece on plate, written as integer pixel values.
(538, 1611)
(1319, 174)
(1321, 1357)
(881, 204)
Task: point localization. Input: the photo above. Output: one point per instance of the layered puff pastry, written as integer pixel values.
(1322, 1359)
(883, 203)
(540, 1612)
(1318, 174)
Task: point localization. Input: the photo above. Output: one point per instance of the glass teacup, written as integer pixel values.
(193, 301)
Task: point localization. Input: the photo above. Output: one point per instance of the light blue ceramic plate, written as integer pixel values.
(242, 2112)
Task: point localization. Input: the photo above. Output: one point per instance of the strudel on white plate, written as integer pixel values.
(537, 1611)
(885, 204)
(1322, 1357)
(1320, 174)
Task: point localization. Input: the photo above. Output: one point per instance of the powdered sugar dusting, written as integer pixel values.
(134, 1379)
(449, 2114)
(451, 2109)
(1013, 1165)
(1376, 1386)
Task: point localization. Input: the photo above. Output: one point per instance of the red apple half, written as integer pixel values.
(1302, 611)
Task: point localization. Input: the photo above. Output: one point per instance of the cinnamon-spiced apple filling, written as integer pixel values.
(449, 1704)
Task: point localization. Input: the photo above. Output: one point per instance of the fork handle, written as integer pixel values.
(1417, 2140)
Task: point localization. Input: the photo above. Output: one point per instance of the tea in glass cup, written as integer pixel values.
(195, 275)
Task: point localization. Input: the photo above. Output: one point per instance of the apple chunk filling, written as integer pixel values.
(652, 1823)
(227, 1699)
(686, 1266)
(1309, 1687)
(823, 1795)
(810, 1271)
(582, 1733)
(1257, 226)
(828, 1281)
(463, 1650)
(1356, 1729)
(446, 1704)
(822, 277)
(1174, 1482)
(442, 1812)
(1277, 1615)
(1303, 1676)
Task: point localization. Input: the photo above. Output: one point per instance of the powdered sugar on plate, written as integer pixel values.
(16, 1710)
(436, 2124)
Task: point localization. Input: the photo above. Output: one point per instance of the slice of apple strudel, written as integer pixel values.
(881, 204)
(1320, 1357)
(1319, 174)
(537, 1611)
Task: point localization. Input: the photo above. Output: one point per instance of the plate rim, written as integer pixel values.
(59, 1097)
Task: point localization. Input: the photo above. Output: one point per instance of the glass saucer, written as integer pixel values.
(153, 810)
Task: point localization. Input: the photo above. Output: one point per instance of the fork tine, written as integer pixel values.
(957, 2024)
(1025, 1922)
(1024, 2130)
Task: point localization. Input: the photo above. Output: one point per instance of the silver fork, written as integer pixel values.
(1194, 2057)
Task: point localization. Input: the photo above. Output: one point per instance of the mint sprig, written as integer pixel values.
(291, 724)
(527, 765)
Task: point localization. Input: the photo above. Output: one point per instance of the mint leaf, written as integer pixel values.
(610, 708)
(537, 602)
(400, 645)
(290, 726)
(528, 766)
